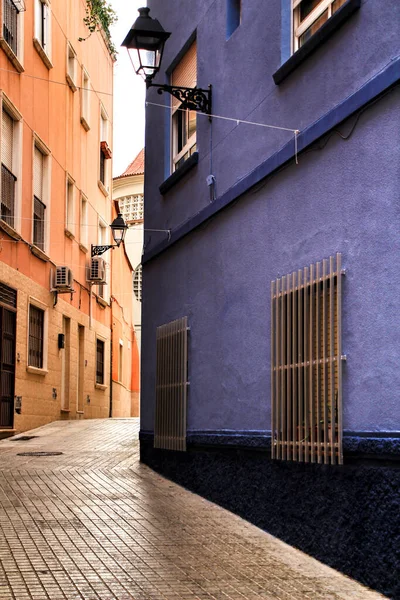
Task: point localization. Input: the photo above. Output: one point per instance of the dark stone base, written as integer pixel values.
(347, 517)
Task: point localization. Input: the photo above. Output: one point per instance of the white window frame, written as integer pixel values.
(71, 68)
(70, 206)
(13, 112)
(45, 150)
(16, 59)
(85, 100)
(84, 222)
(38, 304)
(299, 29)
(43, 30)
(176, 156)
(104, 132)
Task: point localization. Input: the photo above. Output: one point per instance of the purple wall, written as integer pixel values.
(343, 198)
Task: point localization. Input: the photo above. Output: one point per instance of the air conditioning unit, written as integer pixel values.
(63, 279)
(97, 270)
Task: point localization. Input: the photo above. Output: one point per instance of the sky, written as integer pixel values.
(129, 91)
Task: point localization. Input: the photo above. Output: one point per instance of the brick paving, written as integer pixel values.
(94, 523)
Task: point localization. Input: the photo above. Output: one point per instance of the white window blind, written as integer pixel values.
(7, 132)
(38, 174)
(185, 73)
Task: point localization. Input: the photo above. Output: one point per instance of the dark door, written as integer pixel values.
(7, 366)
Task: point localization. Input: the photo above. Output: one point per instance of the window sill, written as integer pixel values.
(319, 38)
(85, 124)
(179, 173)
(65, 410)
(11, 55)
(103, 188)
(42, 53)
(69, 234)
(71, 83)
(100, 386)
(39, 253)
(10, 231)
(83, 248)
(36, 371)
(103, 303)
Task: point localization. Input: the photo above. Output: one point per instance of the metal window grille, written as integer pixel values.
(7, 195)
(36, 331)
(102, 167)
(100, 362)
(171, 385)
(137, 283)
(306, 364)
(10, 24)
(8, 296)
(38, 223)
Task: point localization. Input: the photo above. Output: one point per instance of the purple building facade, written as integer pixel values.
(279, 202)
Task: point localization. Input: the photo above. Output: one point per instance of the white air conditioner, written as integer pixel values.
(97, 270)
(63, 278)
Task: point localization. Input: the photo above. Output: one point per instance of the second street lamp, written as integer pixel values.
(118, 228)
(145, 44)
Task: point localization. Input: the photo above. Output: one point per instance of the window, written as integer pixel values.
(42, 39)
(70, 207)
(309, 16)
(72, 67)
(8, 179)
(183, 120)
(233, 16)
(11, 39)
(84, 222)
(137, 283)
(100, 362)
(39, 208)
(105, 153)
(120, 360)
(131, 207)
(306, 364)
(36, 337)
(85, 100)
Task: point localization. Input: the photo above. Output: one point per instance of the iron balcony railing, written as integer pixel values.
(8, 180)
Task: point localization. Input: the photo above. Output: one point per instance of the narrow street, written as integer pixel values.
(91, 522)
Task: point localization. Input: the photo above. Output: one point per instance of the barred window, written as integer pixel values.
(39, 208)
(8, 179)
(36, 335)
(100, 362)
(137, 283)
(10, 24)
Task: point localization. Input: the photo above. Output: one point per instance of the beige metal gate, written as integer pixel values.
(306, 364)
(171, 386)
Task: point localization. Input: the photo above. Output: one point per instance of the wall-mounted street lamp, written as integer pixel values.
(145, 44)
(118, 228)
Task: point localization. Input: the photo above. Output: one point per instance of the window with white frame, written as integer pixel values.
(72, 68)
(105, 152)
(309, 16)
(41, 186)
(84, 222)
(11, 36)
(70, 207)
(85, 100)
(42, 39)
(184, 120)
(11, 165)
(131, 207)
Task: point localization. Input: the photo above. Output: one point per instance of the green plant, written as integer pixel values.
(100, 15)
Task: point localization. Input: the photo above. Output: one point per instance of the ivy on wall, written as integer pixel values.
(100, 15)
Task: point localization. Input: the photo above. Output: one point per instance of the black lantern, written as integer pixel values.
(118, 228)
(145, 44)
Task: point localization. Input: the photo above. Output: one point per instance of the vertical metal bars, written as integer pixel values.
(306, 364)
(171, 386)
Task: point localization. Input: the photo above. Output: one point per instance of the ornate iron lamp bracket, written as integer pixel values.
(190, 98)
(97, 250)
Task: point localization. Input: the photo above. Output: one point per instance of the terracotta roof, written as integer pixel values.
(136, 167)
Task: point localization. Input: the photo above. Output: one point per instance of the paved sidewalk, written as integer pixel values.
(94, 523)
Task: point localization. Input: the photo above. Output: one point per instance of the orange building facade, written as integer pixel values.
(62, 323)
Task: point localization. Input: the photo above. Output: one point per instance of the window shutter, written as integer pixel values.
(38, 174)
(185, 73)
(7, 132)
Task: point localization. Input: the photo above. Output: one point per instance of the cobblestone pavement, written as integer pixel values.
(94, 523)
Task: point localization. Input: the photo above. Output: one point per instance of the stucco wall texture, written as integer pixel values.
(344, 198)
